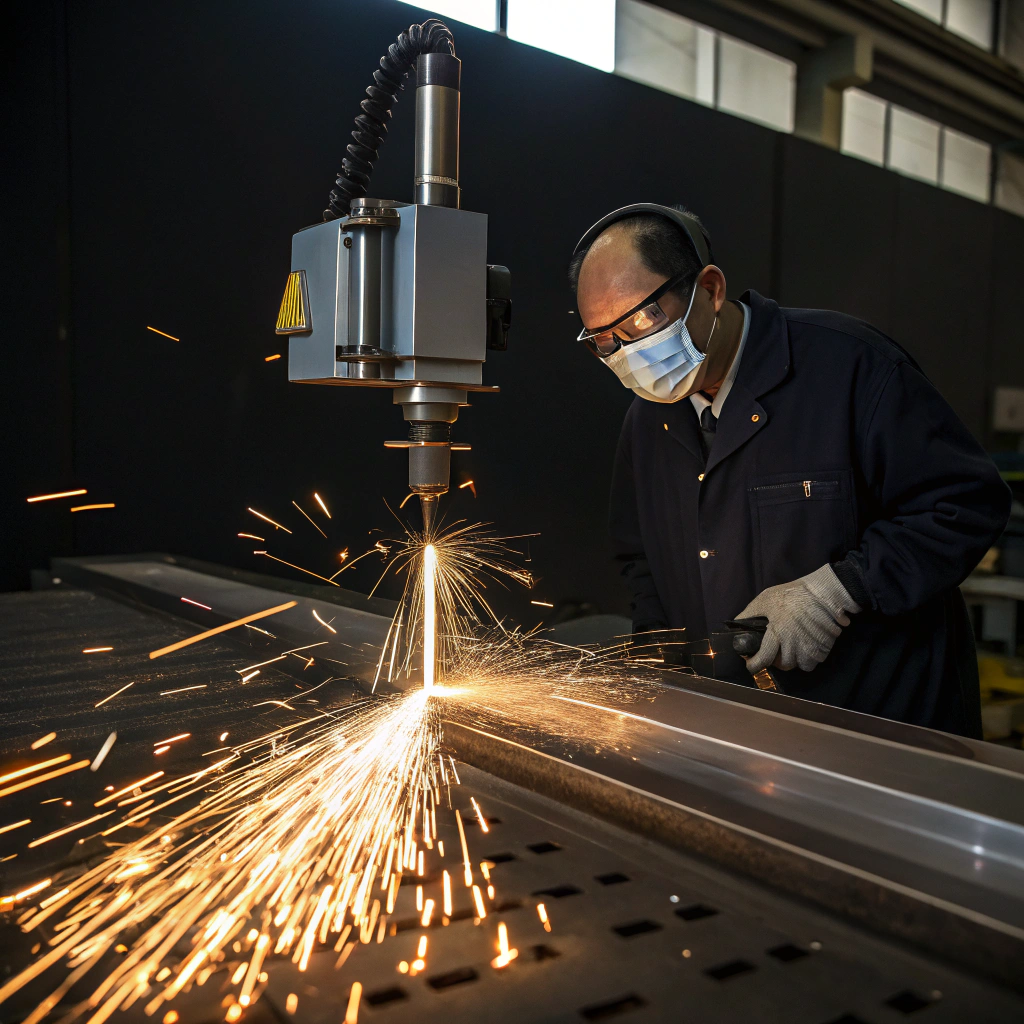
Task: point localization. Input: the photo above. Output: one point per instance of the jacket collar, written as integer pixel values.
(765, 360)
(764, 366)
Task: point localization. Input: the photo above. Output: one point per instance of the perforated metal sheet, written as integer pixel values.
(638, 933)
(623, 910)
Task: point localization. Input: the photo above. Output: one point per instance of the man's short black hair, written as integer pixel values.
(662, 246)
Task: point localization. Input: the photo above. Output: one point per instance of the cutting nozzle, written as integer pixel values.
(428, 505)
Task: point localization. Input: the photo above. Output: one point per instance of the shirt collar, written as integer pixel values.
(700, 403)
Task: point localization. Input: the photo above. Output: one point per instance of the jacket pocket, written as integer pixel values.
(800, 522)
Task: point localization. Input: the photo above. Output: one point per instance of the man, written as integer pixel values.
(794, 464)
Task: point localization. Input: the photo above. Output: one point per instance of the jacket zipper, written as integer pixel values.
(806, 484)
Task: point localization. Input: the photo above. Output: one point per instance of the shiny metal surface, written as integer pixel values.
(923, 841)
(364, 286)
(625, 908)
(437, 145)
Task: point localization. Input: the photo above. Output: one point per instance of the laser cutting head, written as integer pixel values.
(399, 296)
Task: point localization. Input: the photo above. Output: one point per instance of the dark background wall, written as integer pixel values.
(163, 155)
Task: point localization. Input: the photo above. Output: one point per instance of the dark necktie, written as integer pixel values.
(708, 426)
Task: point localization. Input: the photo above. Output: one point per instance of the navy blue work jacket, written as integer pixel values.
(832, 447)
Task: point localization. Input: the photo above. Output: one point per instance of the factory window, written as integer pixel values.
(917, 146)
(913, 145)
(756, 84)
(970, 19)
(1010, 183)
(863, 126)
(966, 165)
(931, 9)
(659, 48)
(478, 13)
(582, 30)
(672, 53)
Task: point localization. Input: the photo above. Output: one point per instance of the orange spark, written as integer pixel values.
(481, 910)
(479, 815)
(260, 664)
(303, 511)
(59, 494)
(18, 786)
(164, 333)
(447, 894)
(35, 767)
(270, 359)
(470, 485)
(165, 693)
(269, 520)
(505, 955)
(128, 789)
(467, 868)
(104, 750)
(352, 1011)
(17, 824)
(322, 623)
(70, 828)
(96, 650)
(85, 508)
(299, 567)
(173, 739)
(320, 502)
(219, 629)
(188, 600)
(43, 740)
(114, 694)
(25, 893)
(542, 913)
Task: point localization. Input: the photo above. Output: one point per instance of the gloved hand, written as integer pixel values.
(804, 619)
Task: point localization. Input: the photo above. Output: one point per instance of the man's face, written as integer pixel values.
(613, 279)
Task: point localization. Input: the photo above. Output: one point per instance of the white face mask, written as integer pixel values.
(662, 367)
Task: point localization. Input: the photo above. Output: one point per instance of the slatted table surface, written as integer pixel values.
(638, 933)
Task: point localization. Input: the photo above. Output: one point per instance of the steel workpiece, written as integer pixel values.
(907, 831)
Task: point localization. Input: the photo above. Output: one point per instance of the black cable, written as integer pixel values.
(371, 129)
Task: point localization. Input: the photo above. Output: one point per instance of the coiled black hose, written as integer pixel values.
(371, 129)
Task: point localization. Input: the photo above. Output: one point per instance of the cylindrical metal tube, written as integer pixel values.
(437, 129)
(429, 467)
(364, 288)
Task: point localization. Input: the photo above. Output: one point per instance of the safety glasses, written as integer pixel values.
(645, 318)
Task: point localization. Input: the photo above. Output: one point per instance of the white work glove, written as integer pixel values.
(804, 619)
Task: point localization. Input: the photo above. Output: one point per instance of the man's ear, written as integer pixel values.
(713, 282)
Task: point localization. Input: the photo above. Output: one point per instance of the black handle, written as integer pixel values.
(747, 635)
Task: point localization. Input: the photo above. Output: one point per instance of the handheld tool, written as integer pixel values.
(398, 295)
(747, 635)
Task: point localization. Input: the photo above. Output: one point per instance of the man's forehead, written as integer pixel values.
(612, 262)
